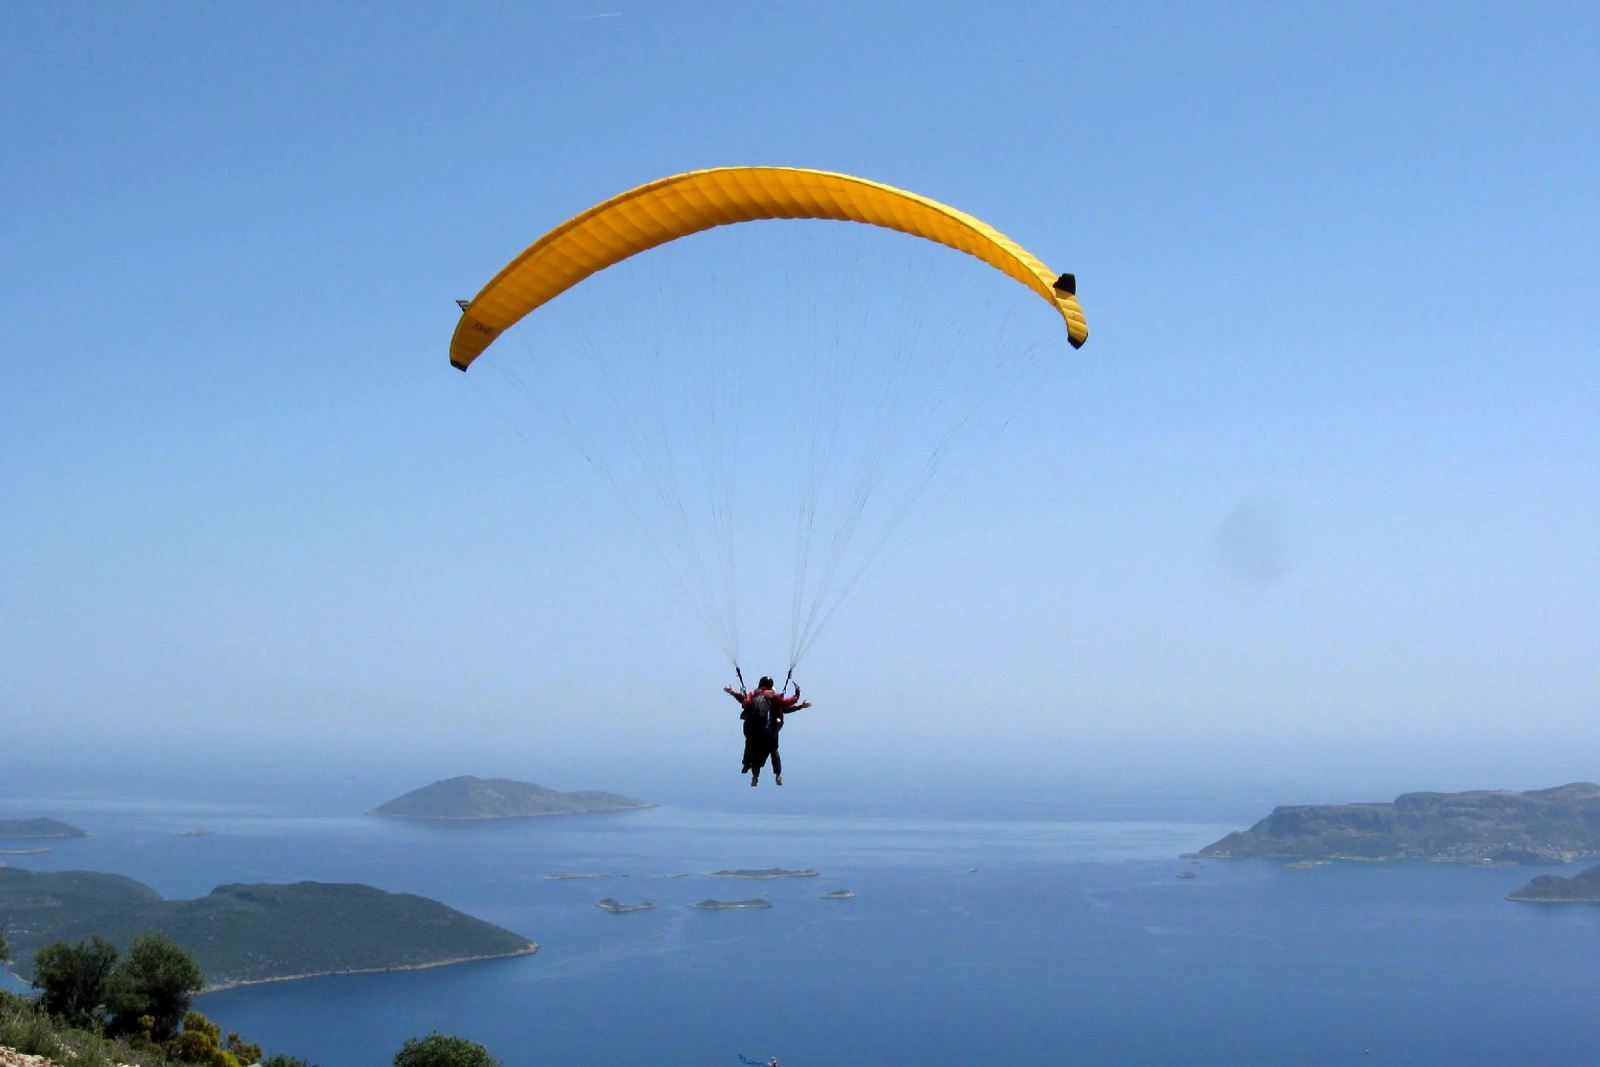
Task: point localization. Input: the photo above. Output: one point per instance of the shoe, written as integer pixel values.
(753, 781)
(778, 778)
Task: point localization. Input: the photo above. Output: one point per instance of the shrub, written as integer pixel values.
(74, 980)
(192, 1046)
(198, 1023)
(278, 1059)
(200, 1043)
(437, 1050)
(243, 1051)
(157, 979)
(27, 1031)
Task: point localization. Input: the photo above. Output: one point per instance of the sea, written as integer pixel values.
(971, 939)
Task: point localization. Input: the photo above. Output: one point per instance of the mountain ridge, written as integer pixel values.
(1540, 826)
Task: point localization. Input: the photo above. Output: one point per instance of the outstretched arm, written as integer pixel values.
(734, 693)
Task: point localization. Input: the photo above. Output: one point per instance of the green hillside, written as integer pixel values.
(12, 829)
(243, 933)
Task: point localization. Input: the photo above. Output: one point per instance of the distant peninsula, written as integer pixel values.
(1551, 889)
(242, 934)
(467, 797)
(13, 829)
(765, 873)
(731, 905)
(1542, 826)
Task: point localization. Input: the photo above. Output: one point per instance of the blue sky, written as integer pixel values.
(1324, 481)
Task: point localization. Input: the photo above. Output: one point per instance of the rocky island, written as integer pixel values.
(765, 873)
(616, 907)
(839, 894)
(731, 905)
(241, 934)
(1541, 826)
(16, 829)
(1552, 889)
(467, 797)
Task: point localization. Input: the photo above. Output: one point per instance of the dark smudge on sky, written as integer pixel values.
(1252, 547)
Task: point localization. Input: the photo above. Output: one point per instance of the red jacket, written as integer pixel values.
(777, 702)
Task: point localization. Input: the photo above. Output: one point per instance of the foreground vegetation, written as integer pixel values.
(95, 1009)
(27, 1027)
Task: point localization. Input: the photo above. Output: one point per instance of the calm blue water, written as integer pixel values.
(969, 942)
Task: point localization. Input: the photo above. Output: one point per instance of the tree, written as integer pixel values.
(437, 1050)
(159, 979)
(74, 980)
(5, 947)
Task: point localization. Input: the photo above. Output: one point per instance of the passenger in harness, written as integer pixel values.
(763, 710)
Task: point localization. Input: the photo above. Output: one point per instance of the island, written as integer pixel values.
(574, 876)
(765, 874)
(243, 934)
(1551, 889)
(616, 907)
(839, 894)
(1541, 826)
(469, 798)
(731, 905)
(12, 829)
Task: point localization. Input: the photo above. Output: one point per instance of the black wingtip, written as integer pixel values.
(458, 366)
(1067, 283)
(1075, 342)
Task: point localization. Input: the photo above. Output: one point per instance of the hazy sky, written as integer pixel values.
(1325, 480)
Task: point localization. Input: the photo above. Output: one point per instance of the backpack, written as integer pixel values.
(758, 715)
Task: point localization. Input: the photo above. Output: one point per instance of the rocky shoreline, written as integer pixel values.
(239, 983)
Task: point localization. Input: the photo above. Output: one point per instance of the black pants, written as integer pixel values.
(756, 750)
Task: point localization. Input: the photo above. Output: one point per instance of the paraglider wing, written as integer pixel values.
(674, 207)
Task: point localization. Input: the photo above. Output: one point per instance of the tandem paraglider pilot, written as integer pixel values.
(763, 710)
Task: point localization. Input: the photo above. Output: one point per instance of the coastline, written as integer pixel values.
(533, 947)
(503, 818)
(1334, 857)
(1551, 900)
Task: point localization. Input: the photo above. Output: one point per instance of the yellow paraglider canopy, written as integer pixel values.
(670, 208)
